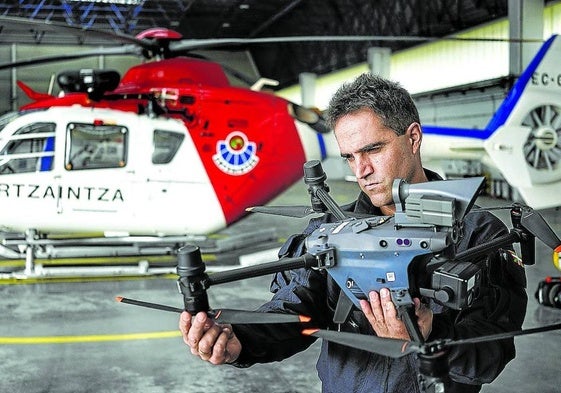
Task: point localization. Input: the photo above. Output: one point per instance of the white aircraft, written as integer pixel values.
(522, 141)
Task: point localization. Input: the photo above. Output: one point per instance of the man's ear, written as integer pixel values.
(415, 135)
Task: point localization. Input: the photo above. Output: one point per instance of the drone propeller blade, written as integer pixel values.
(383, 346)
(397, 348)
(225, 315)
(141, 303)
(535, 223)
(120, 50)
(254, 317)
(288, 211)
(502, 336)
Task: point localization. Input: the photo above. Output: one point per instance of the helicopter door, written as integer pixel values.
(93, 186)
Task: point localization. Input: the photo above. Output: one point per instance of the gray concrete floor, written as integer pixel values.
(113, 360)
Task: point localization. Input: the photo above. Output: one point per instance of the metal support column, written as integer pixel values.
(525, 22)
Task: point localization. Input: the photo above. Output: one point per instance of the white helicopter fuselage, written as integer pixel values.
(115, 184)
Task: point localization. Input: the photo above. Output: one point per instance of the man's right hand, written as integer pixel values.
(208, 340)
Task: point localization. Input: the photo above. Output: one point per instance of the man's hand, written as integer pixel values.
(382, 315)
(208, 340)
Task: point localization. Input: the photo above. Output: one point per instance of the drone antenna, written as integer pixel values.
(314, 177)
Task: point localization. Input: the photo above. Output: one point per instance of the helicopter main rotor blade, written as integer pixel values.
(391, 347)
(121, 50)
(225, 315)
(82, 32)
(193, 44)
(535, 223)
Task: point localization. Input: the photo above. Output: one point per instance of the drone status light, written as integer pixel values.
(556, 255)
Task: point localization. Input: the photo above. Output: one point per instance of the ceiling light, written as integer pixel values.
(123, 2)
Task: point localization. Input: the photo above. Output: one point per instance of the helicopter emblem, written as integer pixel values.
(236, 155)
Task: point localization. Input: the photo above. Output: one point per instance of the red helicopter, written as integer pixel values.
(171, 148)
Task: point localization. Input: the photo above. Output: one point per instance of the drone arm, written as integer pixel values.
(304, 261)
(324, 196)
(484, 249)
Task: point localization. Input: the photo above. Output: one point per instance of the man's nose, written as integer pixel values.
(363, 167)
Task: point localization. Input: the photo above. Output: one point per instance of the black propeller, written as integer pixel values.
(397, 348)
(225, 315)
(391, 347)
(287, 211)
(537, 226)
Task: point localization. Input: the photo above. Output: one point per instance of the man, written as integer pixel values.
(378, 131)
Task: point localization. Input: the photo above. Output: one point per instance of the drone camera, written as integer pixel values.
(549, 292)
(456, 284)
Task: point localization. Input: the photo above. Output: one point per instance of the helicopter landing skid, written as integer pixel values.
(111, 256)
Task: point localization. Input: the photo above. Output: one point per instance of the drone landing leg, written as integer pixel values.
(343, 309)
(407, 315)
(433, 372)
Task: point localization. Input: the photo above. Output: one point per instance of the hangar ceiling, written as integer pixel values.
(263, 18)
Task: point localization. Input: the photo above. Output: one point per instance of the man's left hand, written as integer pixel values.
(382, 315)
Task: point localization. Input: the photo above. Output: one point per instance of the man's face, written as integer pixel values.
(377, 155)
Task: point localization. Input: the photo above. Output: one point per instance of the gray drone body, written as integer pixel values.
(377, 252)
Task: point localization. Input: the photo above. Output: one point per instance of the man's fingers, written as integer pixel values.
(389, 310)
(220, 349)
(377, 311)
(185, 325)
(206, 347)
(199, 325)
(208, 340)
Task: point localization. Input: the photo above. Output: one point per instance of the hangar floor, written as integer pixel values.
(73, 337)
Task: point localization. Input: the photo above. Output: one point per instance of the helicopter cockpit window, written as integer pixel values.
(166, 145)
(95, 146)
(29, 149)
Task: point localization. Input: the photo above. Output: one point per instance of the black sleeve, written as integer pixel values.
(304, 294)
(500, 307)
(300, 291)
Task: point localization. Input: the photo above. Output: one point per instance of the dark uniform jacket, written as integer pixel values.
(500, 307)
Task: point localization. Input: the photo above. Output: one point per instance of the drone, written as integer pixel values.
(355, 251)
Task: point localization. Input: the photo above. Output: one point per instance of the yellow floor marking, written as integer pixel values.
(37, 280)
(87, 338)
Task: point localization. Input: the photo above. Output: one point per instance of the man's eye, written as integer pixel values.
(373, 149)
(348, 158)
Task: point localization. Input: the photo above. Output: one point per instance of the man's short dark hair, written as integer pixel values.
(387, 99)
